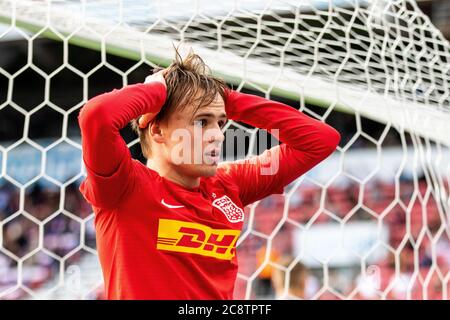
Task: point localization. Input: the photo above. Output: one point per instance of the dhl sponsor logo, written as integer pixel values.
(182, 236)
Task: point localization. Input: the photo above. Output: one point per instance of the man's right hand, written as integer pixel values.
(145, 119)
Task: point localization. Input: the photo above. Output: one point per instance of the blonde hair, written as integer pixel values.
(189, 82)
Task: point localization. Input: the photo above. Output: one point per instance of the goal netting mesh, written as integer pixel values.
(370, 222)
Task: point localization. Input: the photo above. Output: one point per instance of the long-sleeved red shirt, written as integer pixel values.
(159, 240)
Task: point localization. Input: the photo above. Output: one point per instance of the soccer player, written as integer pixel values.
(168, 229)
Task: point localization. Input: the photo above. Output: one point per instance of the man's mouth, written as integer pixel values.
(213, 156)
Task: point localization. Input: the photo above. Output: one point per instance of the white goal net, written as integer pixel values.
(370, 222)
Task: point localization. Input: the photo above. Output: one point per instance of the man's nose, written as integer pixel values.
(216, 135)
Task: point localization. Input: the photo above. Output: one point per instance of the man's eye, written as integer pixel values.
(201, 122)
(221, 124)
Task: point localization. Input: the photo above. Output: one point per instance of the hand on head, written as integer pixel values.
(145, 119)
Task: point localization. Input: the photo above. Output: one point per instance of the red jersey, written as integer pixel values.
(159, 240)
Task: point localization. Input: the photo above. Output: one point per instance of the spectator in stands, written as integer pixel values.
(263, 282)
(301, 283)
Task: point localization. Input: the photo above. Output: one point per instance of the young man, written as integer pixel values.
(168, 230)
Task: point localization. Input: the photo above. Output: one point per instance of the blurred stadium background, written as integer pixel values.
(370, 222)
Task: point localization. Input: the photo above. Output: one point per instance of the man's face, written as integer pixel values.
(193, 142)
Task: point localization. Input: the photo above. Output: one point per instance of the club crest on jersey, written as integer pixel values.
(229, 209)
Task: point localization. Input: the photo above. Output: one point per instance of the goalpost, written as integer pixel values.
(381, 60)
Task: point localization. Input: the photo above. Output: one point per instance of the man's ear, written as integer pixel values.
(156, 132)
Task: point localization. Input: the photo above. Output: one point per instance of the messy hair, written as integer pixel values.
(189, 82)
